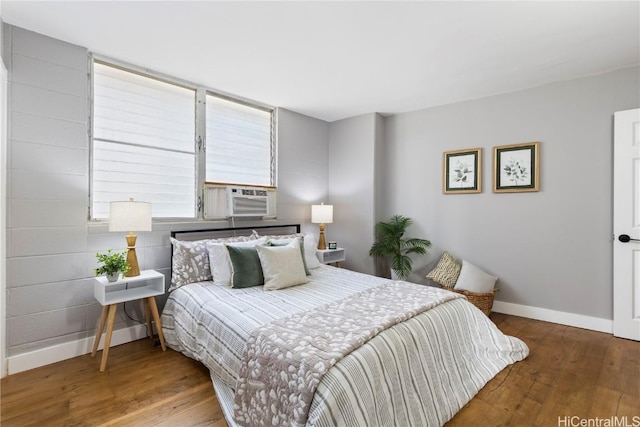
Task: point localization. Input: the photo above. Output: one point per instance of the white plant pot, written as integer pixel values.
(113, 277)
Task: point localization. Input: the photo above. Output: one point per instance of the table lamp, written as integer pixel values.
(130, 216)
(322, 214)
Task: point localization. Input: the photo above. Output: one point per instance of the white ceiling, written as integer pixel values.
(333, 60)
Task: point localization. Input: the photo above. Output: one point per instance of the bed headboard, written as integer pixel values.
(216, 233)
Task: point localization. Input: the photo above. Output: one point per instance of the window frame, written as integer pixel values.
(200, 141)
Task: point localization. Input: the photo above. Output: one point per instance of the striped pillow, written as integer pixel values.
(446, 272)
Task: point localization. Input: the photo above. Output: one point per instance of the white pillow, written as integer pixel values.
(473, 279)
(220, 262)
(310, 249)
(282, 266)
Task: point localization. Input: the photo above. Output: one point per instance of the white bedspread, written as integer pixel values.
(420, 372)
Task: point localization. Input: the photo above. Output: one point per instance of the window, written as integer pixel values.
(239, 143)
(144, 142)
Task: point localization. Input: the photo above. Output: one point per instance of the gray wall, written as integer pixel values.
(303, 165)
(550, 249)
(51, 245)
(352, 147)
(48, 293)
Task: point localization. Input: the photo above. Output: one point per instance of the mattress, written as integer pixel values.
(420, 372)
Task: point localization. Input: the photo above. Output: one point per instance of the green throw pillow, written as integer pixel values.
(247, 271)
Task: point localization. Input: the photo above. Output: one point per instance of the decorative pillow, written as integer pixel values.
(221, 263)
(191, 259)
(310, 249)
(284, 242)
(446, 272)
(190, 263)
(473, 279)
(282, 266)
(246, 268)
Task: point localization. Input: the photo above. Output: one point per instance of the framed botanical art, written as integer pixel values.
(462, 171)
(516, 168)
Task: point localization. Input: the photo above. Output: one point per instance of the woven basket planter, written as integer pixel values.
(481, 300)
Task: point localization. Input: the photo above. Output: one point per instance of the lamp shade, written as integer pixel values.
(130, 216)
(322, 214)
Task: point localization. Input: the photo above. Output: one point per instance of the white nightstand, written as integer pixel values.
(145, 286)
(330, 256)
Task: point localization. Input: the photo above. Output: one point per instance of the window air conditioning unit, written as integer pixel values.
(233, 201)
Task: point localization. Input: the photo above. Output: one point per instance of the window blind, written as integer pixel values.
(143, 143)
(239, 143)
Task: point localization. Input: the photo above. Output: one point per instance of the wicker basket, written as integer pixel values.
(481, 300)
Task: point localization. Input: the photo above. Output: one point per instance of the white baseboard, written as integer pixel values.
(56, 353)
(553, 316)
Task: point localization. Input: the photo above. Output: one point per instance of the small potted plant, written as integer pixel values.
(392, 245)
(112, 264)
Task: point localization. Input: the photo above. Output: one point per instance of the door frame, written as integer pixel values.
(3, 218)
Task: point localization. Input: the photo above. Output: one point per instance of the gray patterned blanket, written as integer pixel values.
(285, 360)
(417, 373)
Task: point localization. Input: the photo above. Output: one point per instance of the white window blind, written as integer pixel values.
(239, 143)
(143, 143)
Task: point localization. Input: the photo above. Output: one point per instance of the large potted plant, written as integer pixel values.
(111, 264)
(392, 245)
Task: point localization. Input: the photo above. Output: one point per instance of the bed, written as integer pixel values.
(339, 349)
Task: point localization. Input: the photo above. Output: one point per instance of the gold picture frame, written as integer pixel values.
(516, 168)
(462, 171)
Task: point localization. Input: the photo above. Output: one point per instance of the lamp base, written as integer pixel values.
(132, 259)
(322, 244)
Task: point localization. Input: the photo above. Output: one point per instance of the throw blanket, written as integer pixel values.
(284, 360)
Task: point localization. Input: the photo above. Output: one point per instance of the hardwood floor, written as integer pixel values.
(570, 372)
(142, 386)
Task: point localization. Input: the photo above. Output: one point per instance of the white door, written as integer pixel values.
(626, 225)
